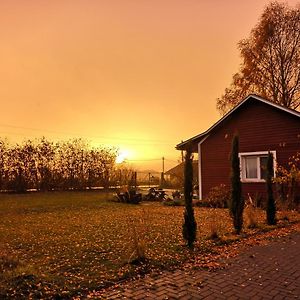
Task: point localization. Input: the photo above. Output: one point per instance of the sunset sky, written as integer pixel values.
(141, 75)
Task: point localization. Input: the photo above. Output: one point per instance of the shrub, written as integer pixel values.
(218, 197)
(237, 202)
(131, 197)
(137, 229)
(271, 208)
(174, 202)
(214, 226)
(288, 181)
(251, 213)
(176, 195)
(283, 209)
(155, 195)
(189, 227)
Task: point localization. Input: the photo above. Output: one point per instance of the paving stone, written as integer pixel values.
(263, 272)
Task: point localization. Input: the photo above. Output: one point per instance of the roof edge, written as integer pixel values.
(183, 145)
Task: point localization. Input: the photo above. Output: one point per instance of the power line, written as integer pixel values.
(119, 139)
(152, 159)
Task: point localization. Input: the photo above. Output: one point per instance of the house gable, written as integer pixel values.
(261, 127)
(192, 142)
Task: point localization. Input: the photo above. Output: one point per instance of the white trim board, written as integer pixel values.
(200, 167)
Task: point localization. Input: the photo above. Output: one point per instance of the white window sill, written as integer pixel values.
(253, 181)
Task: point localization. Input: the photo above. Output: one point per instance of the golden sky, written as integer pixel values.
(138, 74)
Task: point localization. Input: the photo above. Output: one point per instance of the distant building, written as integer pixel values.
(176, 175)
(262, 126)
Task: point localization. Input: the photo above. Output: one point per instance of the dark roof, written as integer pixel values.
(179, 168)
(175, 169)
(196, 139)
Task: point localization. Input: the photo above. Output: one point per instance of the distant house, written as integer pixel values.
(175, 175)
(262, 126)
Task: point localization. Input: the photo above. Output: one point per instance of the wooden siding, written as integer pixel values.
(261, 127)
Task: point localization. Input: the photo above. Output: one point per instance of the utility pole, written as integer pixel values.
(163, 173)
(135, 180)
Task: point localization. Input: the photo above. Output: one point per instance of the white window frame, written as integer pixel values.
(258, 155)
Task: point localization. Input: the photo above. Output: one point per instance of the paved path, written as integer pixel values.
(262, 272)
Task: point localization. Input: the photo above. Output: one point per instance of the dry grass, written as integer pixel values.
(251, 215)
(69, 243)
(214, 224)
(138, 230)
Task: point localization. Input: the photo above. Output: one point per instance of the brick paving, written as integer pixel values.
(262, 272)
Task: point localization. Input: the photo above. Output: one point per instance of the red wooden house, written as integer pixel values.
(262, 126)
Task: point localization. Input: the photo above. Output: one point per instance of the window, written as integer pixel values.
(254, 166)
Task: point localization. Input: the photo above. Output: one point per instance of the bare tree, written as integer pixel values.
(45, 152)
(21, 166)
(3, 162)
(270, 60)
(43, 165)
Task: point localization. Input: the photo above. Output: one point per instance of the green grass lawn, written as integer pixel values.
(67, 243)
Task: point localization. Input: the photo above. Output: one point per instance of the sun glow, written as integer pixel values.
(122, 156)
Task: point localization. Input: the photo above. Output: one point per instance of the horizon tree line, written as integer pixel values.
(44, 165)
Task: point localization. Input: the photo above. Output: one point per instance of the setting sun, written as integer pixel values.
(148, 148)
(122, 156)
(136, 75)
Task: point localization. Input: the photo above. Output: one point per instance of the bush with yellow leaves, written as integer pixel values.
(288, 182)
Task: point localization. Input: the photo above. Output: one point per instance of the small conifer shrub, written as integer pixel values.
(189, 226)
(271, 207)
(237, 202)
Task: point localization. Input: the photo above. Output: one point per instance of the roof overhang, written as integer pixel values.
(193, 142)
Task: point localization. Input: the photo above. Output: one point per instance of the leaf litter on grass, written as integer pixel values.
(78, 242)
